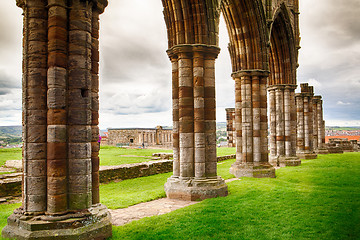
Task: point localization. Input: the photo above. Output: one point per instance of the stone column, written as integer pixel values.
(60, 99)
(272, 127)
(321, 127)
(230, 129)
(194, 107)
(282, 146)
(251, 125)
(305, 123)
(315, 101)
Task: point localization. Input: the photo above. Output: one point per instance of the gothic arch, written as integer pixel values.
(283, 54)
(247, 28)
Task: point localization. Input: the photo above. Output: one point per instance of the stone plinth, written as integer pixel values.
(94, 223)
(195, 189)
(255, 170)
(322, 151)
(307, 155)
(289, 161)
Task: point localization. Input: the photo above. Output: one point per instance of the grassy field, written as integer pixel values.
(9, 154)
(111, 156)
(318, 200)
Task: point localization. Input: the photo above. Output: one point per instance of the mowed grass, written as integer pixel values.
(223, 151)
(113, 156)
(318, 200)
(133, 191)
(9, 154)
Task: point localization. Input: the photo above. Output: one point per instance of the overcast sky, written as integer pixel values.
(135, 72)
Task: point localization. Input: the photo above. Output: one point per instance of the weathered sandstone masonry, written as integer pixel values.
(60, 118)
(282, 138)
(230, 128)
(319, 126)
(251, 125)
(195, 174)
(305, 146)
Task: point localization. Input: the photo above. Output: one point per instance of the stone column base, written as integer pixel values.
(289, 161)
(322, 151)
(274, 160)
(94, 223)
(192, 189)
(257, 170)
(307, 155)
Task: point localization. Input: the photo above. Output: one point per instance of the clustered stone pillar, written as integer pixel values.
(282, 138)
(60, 118)
(195, 164)
(319, 126)
(251, 125)
(230, 128)
(304, 106)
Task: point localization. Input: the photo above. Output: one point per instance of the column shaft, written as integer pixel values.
(95, 133)
(287, 122)
(57, 165)
(280, 124)
(194, 87)
(34, 106)
(210, 116)
(186, 116)
(272, 127)
(251, 125)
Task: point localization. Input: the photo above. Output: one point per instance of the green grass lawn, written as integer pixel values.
(318, 200)
(223, 151)
(112, 156)
(144, 189)
(9, 154)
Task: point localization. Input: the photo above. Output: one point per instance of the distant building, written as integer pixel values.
(136, 137)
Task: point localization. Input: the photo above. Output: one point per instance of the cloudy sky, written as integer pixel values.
(135, 88)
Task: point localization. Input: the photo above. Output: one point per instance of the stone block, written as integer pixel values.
(36, 133)
(57, 168)
(35, 151)
(56, 151)
(79, 166)
(80, 133)
(57, 133)
(36, 168)
(57, 185)
(79, 117)
(56, 77)
(79, 183)
(36, 185)
(78, 201)
(79, 150)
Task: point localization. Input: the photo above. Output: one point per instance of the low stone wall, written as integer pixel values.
(10, 184)
(226, 157)
(135, 170)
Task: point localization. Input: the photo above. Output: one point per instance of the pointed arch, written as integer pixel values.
(283, 54)
(247, 28)
(192, 22)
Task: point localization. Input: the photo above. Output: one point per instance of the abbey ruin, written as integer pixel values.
(61, 106)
